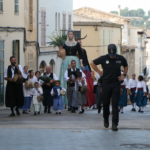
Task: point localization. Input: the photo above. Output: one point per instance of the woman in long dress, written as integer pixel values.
(71, 47)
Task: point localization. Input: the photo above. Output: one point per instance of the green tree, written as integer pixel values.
(114, 12)
(141, 13)
(149, 13)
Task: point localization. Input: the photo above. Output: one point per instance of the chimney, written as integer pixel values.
(119, 6)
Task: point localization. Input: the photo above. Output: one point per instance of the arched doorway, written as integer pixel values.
(42, 66)
(52, 64)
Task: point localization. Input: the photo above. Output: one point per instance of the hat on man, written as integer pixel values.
(112, 50)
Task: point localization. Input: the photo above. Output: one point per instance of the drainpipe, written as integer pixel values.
(38, 33)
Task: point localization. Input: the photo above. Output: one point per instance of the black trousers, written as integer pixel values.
(111, 90)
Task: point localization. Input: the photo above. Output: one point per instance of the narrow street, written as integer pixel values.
(73, 131)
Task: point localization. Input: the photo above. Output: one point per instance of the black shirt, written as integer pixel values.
(111, 67)
(72, 50)
(85, 59)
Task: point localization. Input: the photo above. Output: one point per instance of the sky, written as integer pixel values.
(112, 5)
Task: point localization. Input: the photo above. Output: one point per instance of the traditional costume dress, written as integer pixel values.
(37, 106)
(81, 97)
(141, 100)
(123, 97)
(71, 51)
(48, 98)
(71, 93)
(14, 91)
(87, 70)
(132, 84)
(26, 93)
(58, 102)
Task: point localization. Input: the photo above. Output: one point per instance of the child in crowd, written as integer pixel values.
(141, 98)
(81, 96)
(56, 93)
(36, 91)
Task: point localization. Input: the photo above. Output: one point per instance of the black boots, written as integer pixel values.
(114, 127)
(106, 123)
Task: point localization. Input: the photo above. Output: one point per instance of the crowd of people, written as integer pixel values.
(77, 87)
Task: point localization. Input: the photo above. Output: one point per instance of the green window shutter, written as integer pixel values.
(18, 51)
(109, 36)
(103, 37)
(14, 48)
(117, 49)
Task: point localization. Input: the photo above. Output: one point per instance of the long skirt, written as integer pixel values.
(36, 106)
(90, 95)
(72, 97)
(81, 98)
(14, 95)
(58, 103)
(64, 66)
(132, 97)
(48, 98)
(123, 98)
(27, 103)
(140, 99)
(98, 96)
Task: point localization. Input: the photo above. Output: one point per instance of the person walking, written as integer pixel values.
(14, 91)
(111, 77)
(132, 84)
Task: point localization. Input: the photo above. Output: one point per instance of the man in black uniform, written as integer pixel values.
(111, 78)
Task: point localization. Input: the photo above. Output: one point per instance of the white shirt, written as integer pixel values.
(25, 74)
(141, 84)
(95, 83)
(79, 84)
(125, 82)
(132, 83)
(54, 77)
(97, 76)
(73, 77)
(58, 90)
(34, 79)
(34, 92)
(12, 70)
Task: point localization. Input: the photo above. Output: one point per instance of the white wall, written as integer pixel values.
(53, 6)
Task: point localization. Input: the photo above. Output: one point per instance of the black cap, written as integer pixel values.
(112, 50)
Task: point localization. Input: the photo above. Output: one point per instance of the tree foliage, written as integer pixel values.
(136, 13)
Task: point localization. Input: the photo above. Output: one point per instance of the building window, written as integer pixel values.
(69, 21)
(30, 15)
(103, 37)
(16, 50)
(64, 23)
(1, 73)
(1, 5)
(56, 21)
(30, 61)
(17, 6)
(140, 65)
(145, 36)
(109, 36)
(43, 26)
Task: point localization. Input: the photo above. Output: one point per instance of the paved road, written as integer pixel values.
(74, 132)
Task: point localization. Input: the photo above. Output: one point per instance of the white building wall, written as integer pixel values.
(48, 53)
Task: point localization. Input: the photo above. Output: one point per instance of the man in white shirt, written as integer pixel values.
(47, 87)
(14, 91)
(132, 84)
(70, 76)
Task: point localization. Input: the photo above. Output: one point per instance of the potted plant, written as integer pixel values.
(58, 40)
